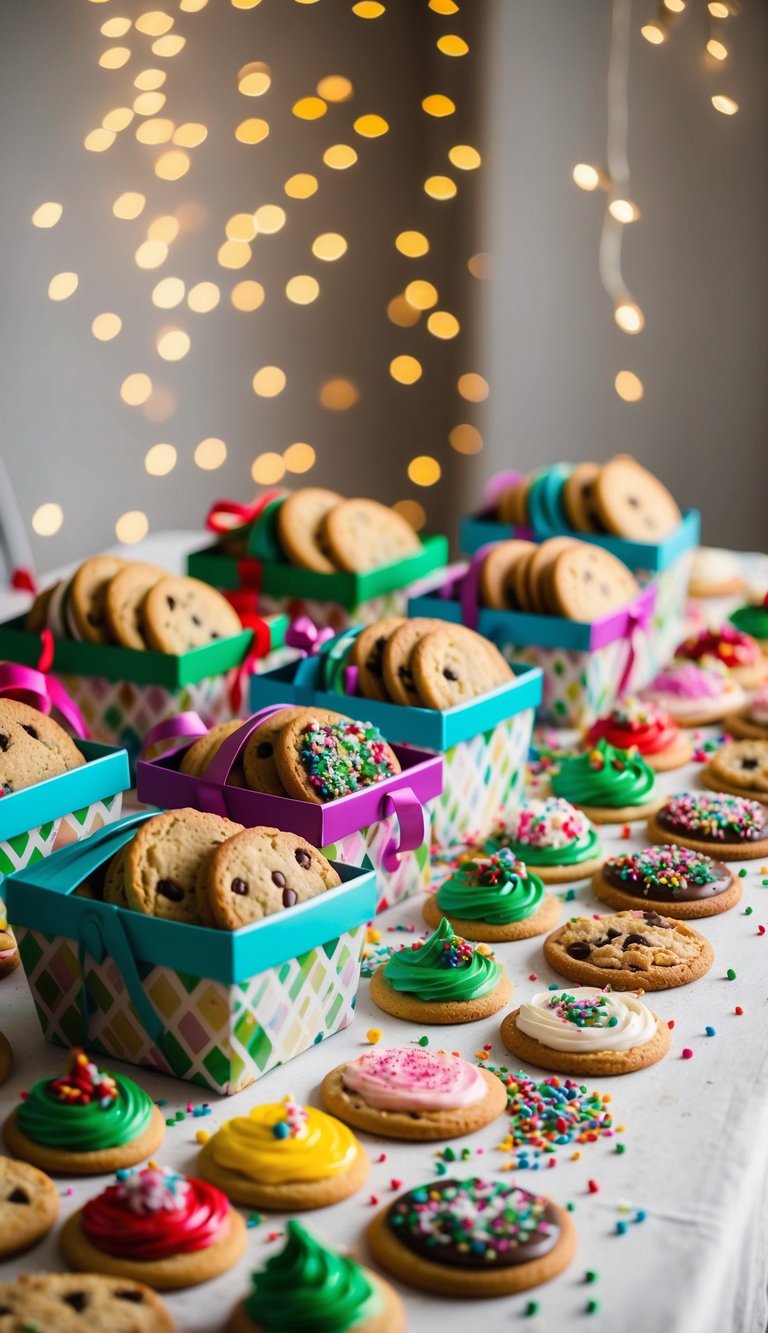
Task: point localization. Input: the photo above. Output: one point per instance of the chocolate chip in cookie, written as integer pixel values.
(162, 862)
(262, 871)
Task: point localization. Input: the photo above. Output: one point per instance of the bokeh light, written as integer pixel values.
(247, 295)
(135, 389)
(629, 386)
(440, 187)
(405, 369)
(62, 286)
(437, 104)
(442, 324)
(172, 165)
(340, 156)
(106, 327)
(47, 215)
(335, 88)
(412, 512)
(269, 381)
(464, 157)
(234, 254)
(129, 205)
(474, 388)
(47, 519)
(329, 245)
(132, 527)
(210, 454)
(339, 394)
(299, 458)
(424, 470)
(254, 79)
(302, 289)
(420, 294)
(160, 460)
(465, 439)
(173, 344)
(267, 469)
(301, 186)
(412, 244)
(252, 131)
(168, 293)
(204, 296)
(370, 126)
(310, 108)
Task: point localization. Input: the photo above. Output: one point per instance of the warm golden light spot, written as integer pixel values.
(444, 6)
(173, 344)
(405, 369)
(106, 327)
(157, 130)
(302, 289)
(718, 9)
(267, 468)
(146, 104)
(210, 454)
(473, 387)
(442, 324)
(192, 6)
(412, 512)
(241, 227)
(150, 79)
(234, 254)
(115, 27)
(245, 4)
(424, 470)
(254, 79)
(368, 9)
(160, 460)
(464, 157)
(168, 293)
(299, 458)
(165, 228)
(654, 33)
(160, 405)
(62, 285)
(252, 131)
(330, 245)
(421, 295)
(401, 313)
(301, 186)
(204, 296)
(338, 395)
(47, 215)
(131, 527)
(170, 45)
(727, 105)
(269, 381)
(437, 104)
(440, 187)
(129, 205)
(117, 120)
(114, 57)
(465, 439)
(480, 266)
(629, 386)
(154, 23)
(309, 108)
(269, 219)
(370, 126)
(629, 317)
(587, 176)
(623, 210)
(340, 156)
(335, 88)
(412, 244)
(135, 389)
(99, 140)
(172, 165)
(717, 50)
(247, 295)
(190, 134)
(151, 254)
(47, 519)
(452, 45)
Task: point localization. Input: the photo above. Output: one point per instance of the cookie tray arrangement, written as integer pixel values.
(484, 743)
(216, 1008)
(386, 825)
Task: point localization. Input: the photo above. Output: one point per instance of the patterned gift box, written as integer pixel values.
(217, 1008)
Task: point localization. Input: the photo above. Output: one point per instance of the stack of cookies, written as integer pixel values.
(135, 605)
(425, 663)
(619, 497)
(561, 577)
(33, 747)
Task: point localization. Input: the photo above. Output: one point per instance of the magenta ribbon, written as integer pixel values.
(412, 818)
(639, 618)
(305, 635)
(470, 587)
(211, 789)
(43, 692)
(181, 728)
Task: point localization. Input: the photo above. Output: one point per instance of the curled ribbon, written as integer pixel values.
(305, 635)
(220, 510)
(413, 822)
(42, 692)
(181, 728)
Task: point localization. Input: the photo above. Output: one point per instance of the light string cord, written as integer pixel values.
(617, 160)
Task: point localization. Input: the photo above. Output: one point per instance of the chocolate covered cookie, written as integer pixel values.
(674, 880)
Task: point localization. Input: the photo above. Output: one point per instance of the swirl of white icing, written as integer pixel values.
(610, 1021)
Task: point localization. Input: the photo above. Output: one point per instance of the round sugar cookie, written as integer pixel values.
(741, 768)
(544, 918)
(97, 1161)
(299, 527)
(662, 879)
(585, 1064)
(408, 1006)
(29, 1206)
(632, 503)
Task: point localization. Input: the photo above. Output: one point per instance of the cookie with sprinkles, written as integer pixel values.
(473, 1238)
(627, 950)
(586, 1030)
(734, 827)
(493, 898)
(443, 979)
(647, 727)
(552, 837)
(322, 756)
(675, 880)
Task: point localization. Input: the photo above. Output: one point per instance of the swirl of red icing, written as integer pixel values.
(727, 645)
(193, 1219)
(642, 724)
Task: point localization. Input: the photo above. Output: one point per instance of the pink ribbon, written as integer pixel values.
(639, 618)
(305, 635)
(412, 818)
(181, 728)
(42, 692)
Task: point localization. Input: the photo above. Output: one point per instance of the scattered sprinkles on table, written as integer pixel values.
(549, 1114)
(342, 757)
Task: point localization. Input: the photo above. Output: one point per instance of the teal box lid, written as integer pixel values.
(477, 531)
(105, 773)
(277, 578)
(42, 897)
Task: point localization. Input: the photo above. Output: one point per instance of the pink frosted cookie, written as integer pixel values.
(693, 696)
(738, 653)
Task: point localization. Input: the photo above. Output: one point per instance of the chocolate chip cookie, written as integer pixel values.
(579, 498)
(81, 1303)
(299, 524)
(24, 760)
(29, 1206)
(626, 950)
(259, 765)
(452, 664)
(363, 534)
(43, 729)
(87, 597)
(163, 858)
(114, 891)
(124, 599)
(367, 654)
(587, 582)
(739, 768)
(397, 657)
(259, 872)
(179, 614)
(632, 503)
(205, 747)
(495, 579)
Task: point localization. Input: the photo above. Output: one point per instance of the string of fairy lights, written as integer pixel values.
(614, 176)
(147, 111)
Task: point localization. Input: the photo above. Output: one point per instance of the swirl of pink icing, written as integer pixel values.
(412, 1079)
(688, 682)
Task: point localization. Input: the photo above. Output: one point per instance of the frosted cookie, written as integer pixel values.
(79, 1302)
(29, 1206)
(752, 721)
(586, 1031)
(321, 756)
(713, 822)
(645, 726)
(752, 620)
(738, 653)
(714, 573)
(6, 1058)
(413, 1093)
(259, 872)
(629, 949)
(179, 614)
(493, 898)
(87, 596)
(9, 953)
(472, 1238)
(741, 768)
(552, 837)
(611, 786)
(284, 1156)
(367, 654)
(84, 1123)
(674, 880)
(442, 980)
(158, 1227)
(309, 1286)
(695, 697)
(162, 862)
(362, 534)
(299, 527)
(631, 502)
(123, 602)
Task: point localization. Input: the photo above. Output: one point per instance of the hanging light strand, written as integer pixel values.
(619, 208)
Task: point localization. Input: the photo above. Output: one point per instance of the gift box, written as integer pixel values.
(585, 666)
(484, 743)
(218, 1008)
(666, 564)
(123, 692)
(386, 825)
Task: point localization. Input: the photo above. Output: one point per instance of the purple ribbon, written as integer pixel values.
(305, 635)
(412, 819)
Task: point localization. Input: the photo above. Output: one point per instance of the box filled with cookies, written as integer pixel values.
(133, 644)
(186, 943)
(312, 552)
(619, 506)
(423, 682)
(571, 609)
(328, 777)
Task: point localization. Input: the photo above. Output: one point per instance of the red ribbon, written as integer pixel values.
(260, 645)
(249, 573)
(216, 518)
(23, 580)
(47, 650)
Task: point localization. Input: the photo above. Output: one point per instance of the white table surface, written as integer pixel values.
(696, 1136)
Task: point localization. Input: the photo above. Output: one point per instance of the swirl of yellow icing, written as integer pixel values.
(322, 1148)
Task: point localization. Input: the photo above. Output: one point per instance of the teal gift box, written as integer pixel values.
(217, 1008)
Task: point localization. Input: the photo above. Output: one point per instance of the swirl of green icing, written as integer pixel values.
(309, 1289)
(606, 777)
(444, 967)
(84, 1128)
(573, 853)
(494, 888)
(752, 620)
